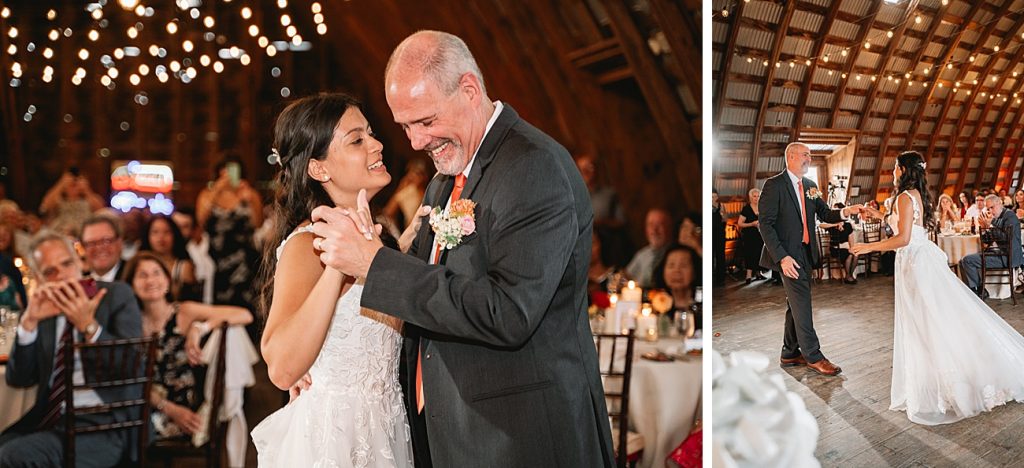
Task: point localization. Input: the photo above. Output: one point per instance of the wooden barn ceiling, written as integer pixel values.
(943, 77)
(618, 79)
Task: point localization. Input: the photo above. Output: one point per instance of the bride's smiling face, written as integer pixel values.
(354, 160)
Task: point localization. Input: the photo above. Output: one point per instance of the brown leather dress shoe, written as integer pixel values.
(824, 367)
(792, 362)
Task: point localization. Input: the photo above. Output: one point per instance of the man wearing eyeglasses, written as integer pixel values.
(101, 237)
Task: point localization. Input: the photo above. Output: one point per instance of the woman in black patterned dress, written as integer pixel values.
(178, 389)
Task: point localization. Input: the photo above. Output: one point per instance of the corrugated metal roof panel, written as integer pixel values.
(970, 36)
(808, 20)
(739, 116)
(891, 13)
(867, 59)
(784, 95)
(934, 49)
(777, 119)
(769, 12)
(901, 126)
(907, 107)
(945, 30)
(716, 60)
(719, 32)
(798, 46)
(740, 137)
(844, 30)
(816, 120)
(858, 81)
(897, 142)
(824, 77)
(875, 125)
(972, 116)
(852, 102)
(870, 140)
(882, 105)
(925, 128)
(750, 38)
(846, 121)
(820, 99)
(748, 66)
(857, 7)
(771, 164)
(742, 91)
(792, 71)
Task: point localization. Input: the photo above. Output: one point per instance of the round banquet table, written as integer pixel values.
(664, 399)
(957, 246)
(14, 402)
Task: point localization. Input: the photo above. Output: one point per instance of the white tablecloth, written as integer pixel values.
(664, 399)
(958, 247)
(14, 402)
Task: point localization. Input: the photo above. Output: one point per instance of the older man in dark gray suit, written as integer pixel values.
(1000, 220)
(60, 306)
(501, 365)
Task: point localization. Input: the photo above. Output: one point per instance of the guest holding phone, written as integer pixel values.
(229, 211)
(64, 306)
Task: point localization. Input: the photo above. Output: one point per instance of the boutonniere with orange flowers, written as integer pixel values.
(451, 226)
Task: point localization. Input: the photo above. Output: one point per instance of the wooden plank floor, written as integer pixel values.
(855, 326)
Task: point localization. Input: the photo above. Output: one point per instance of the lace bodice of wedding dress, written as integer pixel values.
(353, 415)
(953, 356)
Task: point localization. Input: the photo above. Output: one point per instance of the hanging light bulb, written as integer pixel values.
(172, 27)
(187, 45)
(246, 13)
(218, 67)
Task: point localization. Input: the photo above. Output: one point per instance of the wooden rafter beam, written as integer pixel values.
(915, 123)
(780, 36)
(989, 29)
(852, 58)
(805, 87)
(897, 102)
(992, 100)
(730, 47)
(1009, 140)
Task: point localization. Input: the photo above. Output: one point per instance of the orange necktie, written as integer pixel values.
(803, 211)
(460, 182)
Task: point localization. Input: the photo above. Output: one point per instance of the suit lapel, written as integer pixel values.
(489, 148)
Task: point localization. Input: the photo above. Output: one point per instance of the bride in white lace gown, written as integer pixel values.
(341, 360)
(953, 356)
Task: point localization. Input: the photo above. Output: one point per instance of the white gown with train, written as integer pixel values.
(953, 356)
(353, 415)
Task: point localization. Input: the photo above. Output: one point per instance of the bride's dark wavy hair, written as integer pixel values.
(915, 178)
(303, 131)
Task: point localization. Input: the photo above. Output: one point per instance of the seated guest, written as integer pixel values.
(965, 203)
(975, 210)
(947, 212)
(163, 238)
(178, 389)
(60, 307)
(658, 229)
(1007, 201)
(839, 234)
(101, 239)
(995, 223)
(198, 248)
(750, 236)
(678, 273)
(69, 202)
(12, 290)
(1018, 204)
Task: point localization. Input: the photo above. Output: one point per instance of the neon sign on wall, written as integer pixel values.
(138, 177)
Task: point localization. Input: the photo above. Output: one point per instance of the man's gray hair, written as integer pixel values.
(793, 144)
(42, 237)
(994, 197)
(445, 63)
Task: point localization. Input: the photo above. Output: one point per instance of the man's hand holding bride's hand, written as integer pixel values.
(790, 267)
(347, 240)
(409, 234)
(853, 209)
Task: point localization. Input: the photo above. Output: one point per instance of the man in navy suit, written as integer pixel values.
(788, 205)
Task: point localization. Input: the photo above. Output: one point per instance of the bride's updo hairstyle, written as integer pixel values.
(304, 131)
(915, 177)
